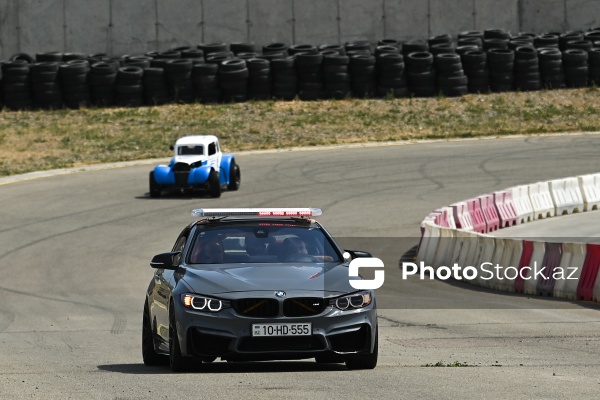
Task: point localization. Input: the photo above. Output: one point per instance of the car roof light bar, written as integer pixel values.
(257, 212)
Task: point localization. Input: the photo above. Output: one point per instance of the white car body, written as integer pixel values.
(186, 150)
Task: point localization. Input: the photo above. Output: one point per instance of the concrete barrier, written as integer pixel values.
(445, 248)
(429, 241)
(477, 217)
(490, 213)
(541, 200)
(462, 217)
(536, 262)
(505, 207)
(524, 208)
(590, 190)
(488, 246)
(564, 270)
(552, 257)
(589, 273)
(571, 265)
(566, 196)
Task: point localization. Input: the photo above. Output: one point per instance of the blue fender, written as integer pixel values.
(163, 175)
(199, 175)
(226, 160)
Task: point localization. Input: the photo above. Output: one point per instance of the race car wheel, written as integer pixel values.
(178, 362)
(364, 361)
(235, 176)
(154, 187)
(149, 354)
(214, 184)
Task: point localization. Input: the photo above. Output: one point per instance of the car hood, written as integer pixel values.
(228, 278)
(189, 159)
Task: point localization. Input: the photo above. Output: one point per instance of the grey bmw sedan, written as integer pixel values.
(255, 285)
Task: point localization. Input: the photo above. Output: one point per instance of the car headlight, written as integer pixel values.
(352, 301)
(201, 303)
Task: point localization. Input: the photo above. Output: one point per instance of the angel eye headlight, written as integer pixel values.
(201, 303)
(342, 303)
(353, 301)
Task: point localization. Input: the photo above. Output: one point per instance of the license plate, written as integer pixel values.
(282, 329)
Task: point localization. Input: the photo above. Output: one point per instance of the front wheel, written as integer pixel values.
(154, 186)
(214, 184)
(177, 361)
(235, 176)
(149, 354)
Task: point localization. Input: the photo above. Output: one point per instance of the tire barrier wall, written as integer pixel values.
(120, 27)
(568, 270)
(492, 61)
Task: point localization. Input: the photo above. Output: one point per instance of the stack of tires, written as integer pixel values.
(156, 90)
(495, 39)
(420, 74)
(391, 77)
(575, 62)
(206, 85)
(501, 63)
(233, 80)
(238, 48)
(546, 40)
(451, 78)
(552, 74)
(594, 66)
(274, 51)
(565, 38)
(527, 70)
(336, 75)
(102, 80)
(179, 80)
(285, 80)
(441, 44)
(478, 75)
(362, 74)
(129, 91)
(470, 38)
(16, 85)
(308, 68)
(74, 82)
(259, 79)
(45, 85)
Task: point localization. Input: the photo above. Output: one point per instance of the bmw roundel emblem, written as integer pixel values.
(280, 293)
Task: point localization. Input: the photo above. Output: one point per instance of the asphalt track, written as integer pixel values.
(75, 249)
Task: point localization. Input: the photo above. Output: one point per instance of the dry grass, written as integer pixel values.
(40, 140)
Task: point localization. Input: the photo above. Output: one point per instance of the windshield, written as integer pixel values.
(261, 243)
(190, 150)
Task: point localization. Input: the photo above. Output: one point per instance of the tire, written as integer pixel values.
(177, 362)
(365, 361)
(235, 176)
(154, 187)
(149, 354)
(214, 184)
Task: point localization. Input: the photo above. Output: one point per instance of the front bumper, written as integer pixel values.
(229, 336)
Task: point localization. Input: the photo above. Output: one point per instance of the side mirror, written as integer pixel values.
(358, 254)
(171, 147)
(164, 260)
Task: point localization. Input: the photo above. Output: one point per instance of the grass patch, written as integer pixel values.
(40, 140)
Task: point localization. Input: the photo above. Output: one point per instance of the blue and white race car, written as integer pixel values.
(197, 164)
